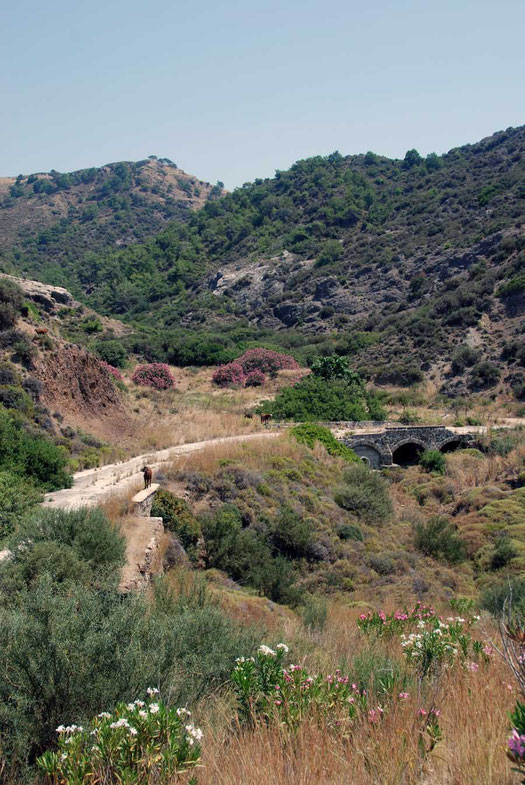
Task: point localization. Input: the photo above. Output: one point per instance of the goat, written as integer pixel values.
(41, 330)
(265, 418)
(147, 471)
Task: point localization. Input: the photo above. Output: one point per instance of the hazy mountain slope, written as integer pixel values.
(399, 260)
(52, 219)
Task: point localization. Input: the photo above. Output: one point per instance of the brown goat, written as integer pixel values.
(147, 471)
(265, 418)
(41, 330)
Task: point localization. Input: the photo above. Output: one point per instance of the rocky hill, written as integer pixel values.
(50, 217)
(410, 265)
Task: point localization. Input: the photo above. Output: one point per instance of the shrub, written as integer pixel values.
(72, 653)
(24, 352)
(112, 370)
(365, 494)
(8, 375)
(156, 375)
(8, 338)
(31, 457)
(349, 531)
(255, 379)
(11, 302)
(33, 387)
(87, 531)
(333, 367)
(484, 374)
(463, 357)
(313, 398)
(142, 741)
(433, 461)
(244, 554)
(438, 538)
(230, 375)
(504, 553)
(291, 534)
(112, 352)
(266, 361)
(15, 398)
(177, 517)
(309, 434)
(16, 498)
(495, 598)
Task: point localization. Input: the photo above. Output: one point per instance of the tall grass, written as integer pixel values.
(473, 720)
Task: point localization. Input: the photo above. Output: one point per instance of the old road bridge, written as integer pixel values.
(403, 446)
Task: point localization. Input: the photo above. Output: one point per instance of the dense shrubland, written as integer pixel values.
(292, 523)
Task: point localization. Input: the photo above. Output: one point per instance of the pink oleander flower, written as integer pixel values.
(516, 744)
(472, 666)
(403, 696)
(488, 651)
(277, 703)
(422, 713)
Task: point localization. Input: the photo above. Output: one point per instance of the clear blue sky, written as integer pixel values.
(234, 89)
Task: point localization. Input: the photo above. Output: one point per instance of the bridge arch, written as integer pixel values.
(449, 445)
(369, 453)
(407, 452)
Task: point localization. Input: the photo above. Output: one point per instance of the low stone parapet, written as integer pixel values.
(142, 502)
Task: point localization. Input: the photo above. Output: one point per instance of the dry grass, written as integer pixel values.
(255, 454)
(473, 721)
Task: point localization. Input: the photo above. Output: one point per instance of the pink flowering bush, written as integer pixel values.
(428, 640)
(230, 375)
(266, 688)
(143, 741)
(266, 361)
(112, 370)
(156, 375)
(516, 741)
(255, 379)
(380, 624)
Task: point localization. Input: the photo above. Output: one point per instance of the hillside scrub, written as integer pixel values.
(364, 493)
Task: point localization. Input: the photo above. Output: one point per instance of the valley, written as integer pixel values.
(325, 371)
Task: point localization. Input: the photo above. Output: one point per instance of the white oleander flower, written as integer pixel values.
(266, 650)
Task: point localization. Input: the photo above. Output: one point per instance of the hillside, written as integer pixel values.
(48, 219)
(413, 267)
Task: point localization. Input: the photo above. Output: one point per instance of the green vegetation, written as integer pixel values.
(177, 517)
(74, 645)
(433, 461)
(315, 398)
(29, 456)
(310, 434)
(437, 537)
(365, 494)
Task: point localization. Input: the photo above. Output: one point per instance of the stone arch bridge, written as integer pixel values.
(403, 446)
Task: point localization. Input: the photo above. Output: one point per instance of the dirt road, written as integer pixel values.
(93, 486)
